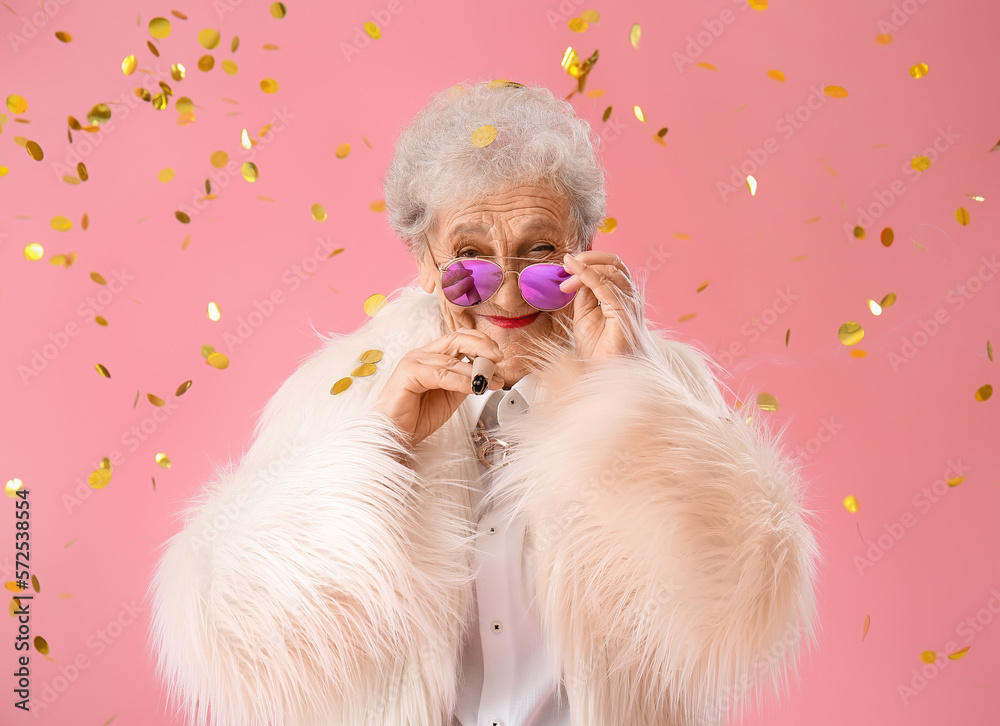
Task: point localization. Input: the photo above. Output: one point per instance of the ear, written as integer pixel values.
(428, 274)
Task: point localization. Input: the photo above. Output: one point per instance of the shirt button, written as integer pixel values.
(497, 626)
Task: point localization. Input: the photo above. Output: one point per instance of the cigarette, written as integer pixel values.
(482, 372)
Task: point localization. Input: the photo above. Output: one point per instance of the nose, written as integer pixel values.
(508, 297)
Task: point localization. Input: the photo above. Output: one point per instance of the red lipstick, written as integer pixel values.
(513, 322)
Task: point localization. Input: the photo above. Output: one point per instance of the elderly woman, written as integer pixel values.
(597, 539)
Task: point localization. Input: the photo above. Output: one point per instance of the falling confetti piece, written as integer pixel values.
(163, 460)
(919, 70)
(686, 316)
(767, 402)
(703, 285)
(178, 71)
(706, 66)
(888, 300)
(61, 224)
(835, 92)
(639, 114)
(851, 503)
(591, 16)
(983, 393)
(209, 38)
(989, 350)
(182, 217)
(129, 65)
(342, 385)
(278, 10)
(752, 185)
(343, 150)
(213, 312)
(160, 101)
(165, 175)
(160, 28)
(245, 139)
(234, 44)
(249, 171)
(962, 216)
(99, 478)
(850, 333)
(758, 4)
(776, 75)
(484, 136)
(864, 630)
(634, 34)
(100, 321)
(928, 656)
(218, 159)
(40, 645)
(218, 360)
(182, 389)
(102, 370)
(318, 213)
(374, 303)
(377, 206)
(955, 481)
(976, 197)
(98, 278)
(34, 150)
(788, 334)
(682, 236)
(859, 232)
(858, 353)
(230, 67)
(887, 237)
(577, 25)
(206, 63)
(269, 85)
(920, 163)
(34, 251)
(959, 653)
(16, 104)
(883, 39)
(874, 307)
(608, 225)
(365, 369)
(156, 400)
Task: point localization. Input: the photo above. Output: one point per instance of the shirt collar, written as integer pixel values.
(525, 387)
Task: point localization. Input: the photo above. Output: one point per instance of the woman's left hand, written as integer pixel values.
(606, 305)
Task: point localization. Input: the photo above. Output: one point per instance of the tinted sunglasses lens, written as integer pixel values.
(469, 282)
(540, 286)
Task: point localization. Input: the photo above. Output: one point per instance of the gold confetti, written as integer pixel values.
(928, 656)
(13, 485)
(61, 224)
(218, 360)
(752, 185)
(767, 402)
(206, 350)
(920, 163)
(851, 503)
(788, 334)
(163, 460)
(343, 150)
(608, 225)
(686, 317)
(278, 10)
(156, 400)
(99, 113)
(159, 28)
(976, 197)
(214, 313)
(634, 34)
(342, 385)
(962, 216)
(888, 300)
(271, 46)
(41, 646)
(484, 136)
(639, 114)
(218, 159)
(858, 353)
(245, 140)
(887, 236)
(850, 333)
(859, 232)
(182, 217)
(34, 251)
(883, 39)
(249, 171)
(34, 150)
(208, 38)
(835, 92)
(318, 213)
(230, 67)
(577, 25)
(374, 303)
(989, 350)
(758, 4)
(983, 393)
(102, 370)
(995, 146)
(682, 236)
(152, 48)
(864, 630)
(703, 285)
(371, 356)
(82, 172)
(919, 70)
(377, 206)
(374, 32)
(706, 66)
(184, 244)
(776, 75)
(178, 71)
(234, 44)
(269, 85)
(98, 278)
(165, 175)
(99, 478)
(874, 307)
(64, 36)
(182, 389)
(959, 653)
(206, 63)
(129, 65)
(591, 16)
(160, 101)
(955, 481)
(100, 321)
(365, 369)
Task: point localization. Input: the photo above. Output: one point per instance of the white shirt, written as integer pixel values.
(506, 678)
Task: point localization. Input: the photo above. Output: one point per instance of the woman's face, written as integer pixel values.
(524, 221)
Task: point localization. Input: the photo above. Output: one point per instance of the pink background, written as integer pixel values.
(883, 428)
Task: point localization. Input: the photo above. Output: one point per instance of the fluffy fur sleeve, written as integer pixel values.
(300, 580)
(674, 569)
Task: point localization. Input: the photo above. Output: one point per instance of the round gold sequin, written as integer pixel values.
(634, 35)
(234, 44)
(484, 136)
(920, 163)
(206, 350)
(758, 4)
(269, 85)
(16, 104)
(955, 481)
(181, 389)
(887, 236)
(835, 92)
(342, 385)
(278, 10)
(61, 224)
(249, 171)
(776, 75)
(218, 159)
(370, 356)
(98, 278)
(851, 333)
(983, 393)
(591, 16)
(888, 300)
(165, 175)
(178, 71)
(102, 370)
(343, 150)
(962, 216)
(608, 225)
(152, 48)
(64, 36)
(208, 38)
(859, 232)
(767, 402)
(156, 400)
(129, 65)
(928, 656)
(639, 114)
(377, 206)
(163, 460)
(206, 62)
(99, 478)
(184, 105)
(100, 113)
(230, 67)
(959, 653)
(318, 213)
(218, 360)
(577, 25)
(214, 313)
(160, 101)
(100, 321)
(40, 645)
(851, 503)
(374, 32)
(159, 28)
(182, 217)
(919, 70)
(365, 369)
(34, 150)
(34, 251)
(374, 303)
(883, 39)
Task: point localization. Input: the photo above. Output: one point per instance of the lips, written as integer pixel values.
(513, 322)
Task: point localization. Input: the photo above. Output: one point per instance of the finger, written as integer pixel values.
(609, 284)
(596, 257)
(439, 371)
(466, 342)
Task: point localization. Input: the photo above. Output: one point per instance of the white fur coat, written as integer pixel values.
(325, 579)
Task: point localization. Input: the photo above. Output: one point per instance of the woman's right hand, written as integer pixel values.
(429, 383)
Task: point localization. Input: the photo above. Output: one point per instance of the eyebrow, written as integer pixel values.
(471, 229)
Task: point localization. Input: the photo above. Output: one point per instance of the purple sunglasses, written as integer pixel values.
(468, 281)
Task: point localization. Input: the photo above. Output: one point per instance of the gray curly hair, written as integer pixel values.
(540, 141)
